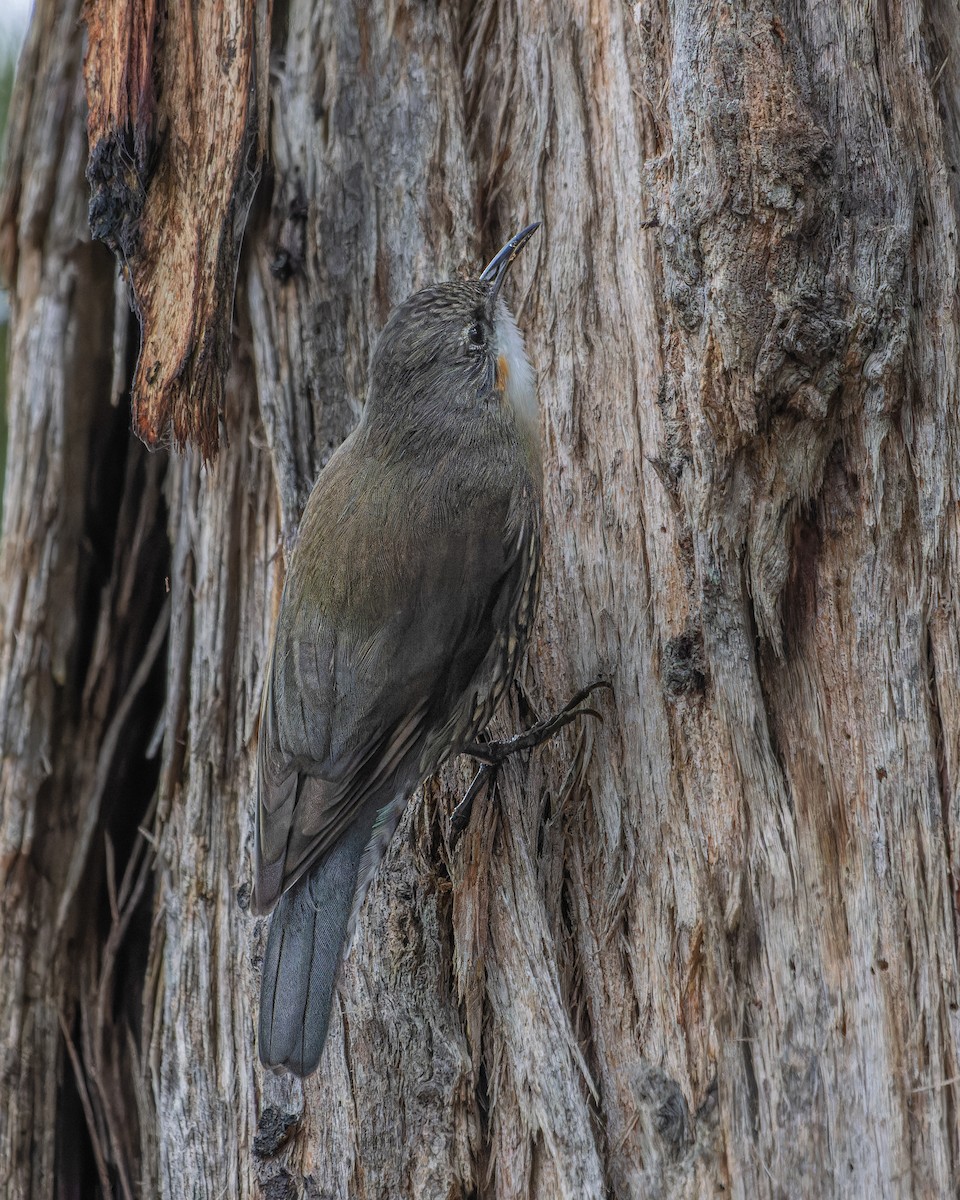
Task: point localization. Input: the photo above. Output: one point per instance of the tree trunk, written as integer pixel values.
(707, 946)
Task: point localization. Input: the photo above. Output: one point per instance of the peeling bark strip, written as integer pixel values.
(119, 70)
(706, 948)
(176, 127)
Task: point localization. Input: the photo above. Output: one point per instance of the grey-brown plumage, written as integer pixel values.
(406, 607)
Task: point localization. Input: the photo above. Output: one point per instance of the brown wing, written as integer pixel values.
(378, 640)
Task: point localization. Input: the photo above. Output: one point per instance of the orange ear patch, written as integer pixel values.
(503, 373)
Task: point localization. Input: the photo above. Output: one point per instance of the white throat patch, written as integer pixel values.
(520, 384)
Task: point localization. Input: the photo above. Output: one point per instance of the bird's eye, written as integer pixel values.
(475, 336)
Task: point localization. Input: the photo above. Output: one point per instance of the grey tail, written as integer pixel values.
(308, 933)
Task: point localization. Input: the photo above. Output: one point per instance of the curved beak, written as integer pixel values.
(496, 269)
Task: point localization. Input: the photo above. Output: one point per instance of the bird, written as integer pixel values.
(407, 605)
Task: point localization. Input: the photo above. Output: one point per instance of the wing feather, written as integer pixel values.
(364, 670)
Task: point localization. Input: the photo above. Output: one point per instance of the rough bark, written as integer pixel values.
(710, 944)
(176, 120)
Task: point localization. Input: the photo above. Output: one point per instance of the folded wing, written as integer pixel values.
(376, 646)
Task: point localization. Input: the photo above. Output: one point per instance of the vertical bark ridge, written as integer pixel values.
(711, 942)
(799, 401)
(198, 1035)
(553, 93)
(82, 567)
(366, 202)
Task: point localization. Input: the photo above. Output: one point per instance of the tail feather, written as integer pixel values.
(308, 932)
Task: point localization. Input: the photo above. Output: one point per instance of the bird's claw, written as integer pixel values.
(492, 755)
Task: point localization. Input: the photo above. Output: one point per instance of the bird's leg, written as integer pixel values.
(495, 753)
(492, 755)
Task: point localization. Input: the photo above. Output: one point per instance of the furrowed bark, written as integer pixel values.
(84, 627)
(707, 944)
(797, 205)
(368, 202)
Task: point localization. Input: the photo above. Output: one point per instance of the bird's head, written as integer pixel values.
(454, 350)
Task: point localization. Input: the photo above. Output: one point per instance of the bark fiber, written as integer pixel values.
(706, 947)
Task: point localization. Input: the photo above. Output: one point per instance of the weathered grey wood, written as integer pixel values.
(84, 625)
(707, 947)
(810, 284)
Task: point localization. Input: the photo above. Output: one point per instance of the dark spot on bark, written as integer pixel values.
(671, 1116)
(799, 361)
(673, 1119)
(800, 593)
(749, 1076)
(274, 1128)
(243, 897)
(279, 1187)
(677, 450)
(669, 475)
(381, 285)
(683, 668)
(710, 1106)
(117, 193)
(291, 238)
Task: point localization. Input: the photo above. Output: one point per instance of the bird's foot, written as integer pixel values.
(492, 755)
